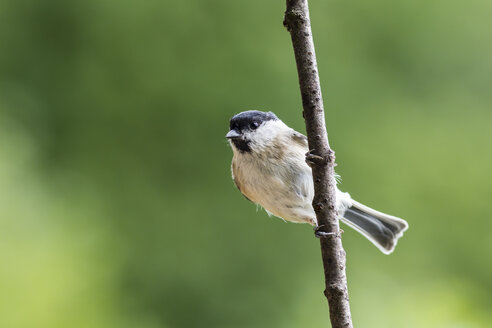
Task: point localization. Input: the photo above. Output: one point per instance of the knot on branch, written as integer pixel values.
(331, 156)
(335, 289)
(294, 18)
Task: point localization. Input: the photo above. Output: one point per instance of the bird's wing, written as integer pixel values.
(302, 140)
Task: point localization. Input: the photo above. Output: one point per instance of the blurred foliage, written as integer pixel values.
(116, 204)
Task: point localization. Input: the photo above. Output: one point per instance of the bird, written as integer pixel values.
(269, 168)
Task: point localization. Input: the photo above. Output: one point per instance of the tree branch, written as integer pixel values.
(298, 24)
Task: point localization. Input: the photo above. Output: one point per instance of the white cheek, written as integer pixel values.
(267, 132)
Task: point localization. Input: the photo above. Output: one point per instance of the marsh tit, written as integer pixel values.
(269, 168)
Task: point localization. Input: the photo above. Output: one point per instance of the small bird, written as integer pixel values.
(269, 168)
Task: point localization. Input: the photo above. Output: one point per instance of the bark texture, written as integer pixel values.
(298, 24)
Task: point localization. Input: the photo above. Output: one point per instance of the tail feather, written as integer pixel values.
(381, 229)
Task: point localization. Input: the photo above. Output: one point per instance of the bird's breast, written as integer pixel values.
(283, 188)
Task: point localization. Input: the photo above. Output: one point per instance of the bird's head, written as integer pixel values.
(253, 129)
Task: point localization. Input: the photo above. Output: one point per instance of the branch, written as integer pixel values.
(324, 203)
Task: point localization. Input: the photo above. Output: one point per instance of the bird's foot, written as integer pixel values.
(312, 159)
(323, 234)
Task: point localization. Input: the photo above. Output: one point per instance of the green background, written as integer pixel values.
(117, 207)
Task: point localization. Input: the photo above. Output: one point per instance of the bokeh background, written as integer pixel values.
(117, 207)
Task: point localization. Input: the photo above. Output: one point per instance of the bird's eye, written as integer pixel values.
(254, 125)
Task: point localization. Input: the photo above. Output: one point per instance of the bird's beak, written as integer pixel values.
(233, 134)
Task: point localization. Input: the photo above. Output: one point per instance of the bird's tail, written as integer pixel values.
(381, 229)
